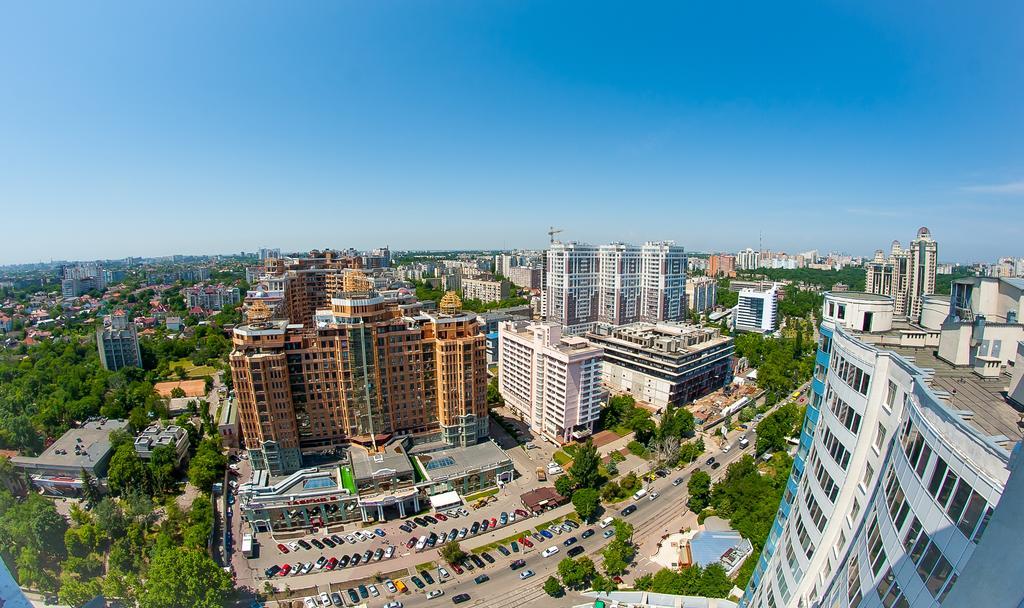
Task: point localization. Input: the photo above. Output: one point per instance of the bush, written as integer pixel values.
(637, 449)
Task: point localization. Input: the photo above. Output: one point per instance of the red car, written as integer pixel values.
(526, 541)
(494, 523)
(441, 516)
(411, 543)
(331, 563)
(457, 568)
(282, 548)
(521, 513)
(285, 569)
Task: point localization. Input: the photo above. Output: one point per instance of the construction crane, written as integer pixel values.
(552, 231)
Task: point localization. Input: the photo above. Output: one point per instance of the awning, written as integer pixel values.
(445, 500)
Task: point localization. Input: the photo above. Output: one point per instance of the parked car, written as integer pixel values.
(364, 592)
(337, 539)
(715, 465)
(487, 557)
(405, 528)
(379, 532)
(546, 534)
(628, 510)
(468, 565)
(440, 517)
(356, 558)
(336, 599)
(661, 473)
(473, 529)
(430, 519)
(460, 598)
(572, 524)
(389, 552)
(537, 537)
(503, 550)
(420, 521)
(409, 544)
(344, 561)
(305, 545)
(587, 533)
(390, 586)
(463, 532)
(677, 481)
(476, 560)
(550, 551)
(503, 519)
(525, 574)
(285, 569)
(367, 555)
(517, 564)
(494, 522)
(457, 568)
(574, 551)
(321, 562)
(294, 546)
(609, 533)
(526, 542)
(416, 581)
(350, 539)
(555, 529)
(481, 579)
(443, 538)
(522, 513)
(443, 573)
(653, 495)
(484, 525)
(271, 571)
(572, 540)
(515, 546)
(426, 576)
(379, 553)
(332, 563)
(373, 591)
(327, 541)
(352, 595)
(710, 461)
(435, 593)
(318, 544)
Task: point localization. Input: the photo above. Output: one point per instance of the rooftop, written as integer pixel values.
(993, 414)
(78, 448)
(392, 458)
(456, 461)
(858, 295)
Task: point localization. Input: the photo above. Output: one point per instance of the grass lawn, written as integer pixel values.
(561, 458)
(426, 566)
(480, 495)
(192, 370)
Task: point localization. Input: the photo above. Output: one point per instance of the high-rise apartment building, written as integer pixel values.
(906, 275)
(748, 259)
(210, 297)
(571, 286)
(530, 277)
(757, 310)
(81, 278)
(362, 372)
(908, 470)
(722, 265)
(701, 294)
(614, 284)
(551, 381)
(118, 343)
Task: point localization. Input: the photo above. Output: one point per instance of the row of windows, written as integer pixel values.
(825, 481)
(852, 375)
(963, 504)
(846, 414)
(932, 566)
(836, 449)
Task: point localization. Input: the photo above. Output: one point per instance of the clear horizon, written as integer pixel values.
(195, 128)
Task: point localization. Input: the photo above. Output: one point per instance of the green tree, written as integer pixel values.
(576, 573)
(699, 487)
(184, 577)
(453, 553)
(207, 466)
(161, 468)
(776, 427)
(584, 470)
(586, 503)
(617, 556)
(90, 489)
(75, 591)
(494, 398)
(564, 485)
(126, 471)
(552, 587)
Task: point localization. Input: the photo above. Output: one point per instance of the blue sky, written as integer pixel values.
(145, 129)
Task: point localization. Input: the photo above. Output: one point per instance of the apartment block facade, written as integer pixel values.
(899, 494)
(485, 290)
(210, 297)
(701, 294)
(363, 372)
(551, 381)
(614, 284)
(118, 343)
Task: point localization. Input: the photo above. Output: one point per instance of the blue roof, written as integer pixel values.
(708, 547)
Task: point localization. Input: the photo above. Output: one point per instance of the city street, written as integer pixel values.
(652, 520)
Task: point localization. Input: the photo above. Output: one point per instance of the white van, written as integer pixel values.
(744, 442)
(640, 494)
(421, 543)
(607, 521)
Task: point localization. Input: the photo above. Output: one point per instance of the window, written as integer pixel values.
(836, 449)
(875, 551)
(869, 474)
(890, 396)
(853, 581)
(937, 475)
(843, 412)
(959, 502)
(879, 438)
(972, 514)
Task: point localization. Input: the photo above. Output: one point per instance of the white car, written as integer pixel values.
(233, 467)
(511, 516)
(394, 604)
(309, 602)
(307, 567)
(549, 552)
(389, 552)
(294, 546)
(373, 590)
(390, 585)
(350, 539)
(435, 593)
(325, 600)
(463, 512)
(463, 532)
(555, 529)
(653, 495)
(443, 538)
(443, 573)
(525, 574)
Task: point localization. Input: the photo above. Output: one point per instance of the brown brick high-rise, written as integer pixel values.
(363, 372)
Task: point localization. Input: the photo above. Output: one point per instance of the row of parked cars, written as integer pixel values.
(357, 595)
(331, 541)
(429, 541)
(326, 563)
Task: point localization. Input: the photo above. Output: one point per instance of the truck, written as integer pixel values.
(247, 545)
(541, 475)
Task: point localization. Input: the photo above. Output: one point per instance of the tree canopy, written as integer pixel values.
(180, 576)
(586, 502)
(703, 582)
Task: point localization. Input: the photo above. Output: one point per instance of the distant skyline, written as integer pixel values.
(199, 128)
